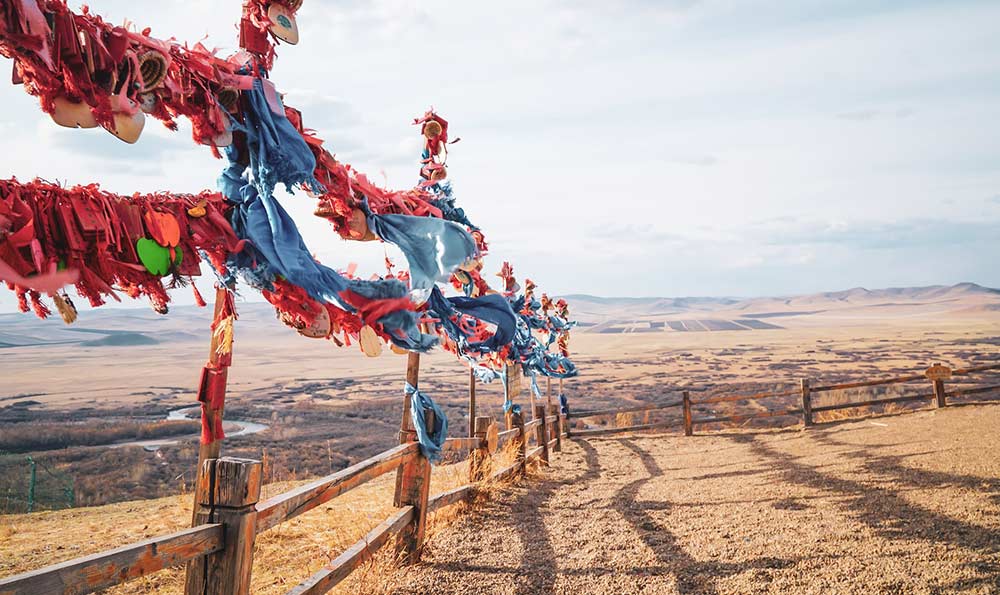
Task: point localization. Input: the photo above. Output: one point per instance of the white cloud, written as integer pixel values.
(629, 147)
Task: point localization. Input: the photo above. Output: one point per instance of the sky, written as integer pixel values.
(625, 148)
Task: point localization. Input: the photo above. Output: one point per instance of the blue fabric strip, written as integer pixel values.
(431, 442)
(433, 247)
(278, 154)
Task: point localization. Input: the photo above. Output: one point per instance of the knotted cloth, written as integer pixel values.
(431, 441)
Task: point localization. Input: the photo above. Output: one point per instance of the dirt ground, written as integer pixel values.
(888, 505)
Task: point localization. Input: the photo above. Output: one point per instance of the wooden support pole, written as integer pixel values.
(557, 427)
(472, 402)
(479, 462)
(807, 408)
(688, 425)
(227, 493)
(517, 421)
(212, 392)
(413, 480)
(531, 402)
(548, 391)
(939, 395)
(542, 433)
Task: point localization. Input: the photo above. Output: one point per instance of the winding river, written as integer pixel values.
(245, 428)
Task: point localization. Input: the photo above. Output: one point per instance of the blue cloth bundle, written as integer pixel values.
(491, 308)
(278, 154)
(431, 441)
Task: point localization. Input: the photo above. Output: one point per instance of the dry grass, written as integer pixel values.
(283, 557)
(624, 420)
(843, 397)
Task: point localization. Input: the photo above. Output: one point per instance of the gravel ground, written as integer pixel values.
(904, 504)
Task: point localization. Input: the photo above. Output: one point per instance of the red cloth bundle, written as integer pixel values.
(97, 234)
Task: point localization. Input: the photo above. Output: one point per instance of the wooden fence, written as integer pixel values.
(936, 394)
(218, 549)
(228, 516)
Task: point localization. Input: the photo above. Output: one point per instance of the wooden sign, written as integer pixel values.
(938, 372)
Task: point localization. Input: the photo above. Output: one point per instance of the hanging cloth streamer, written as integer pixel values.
(564, 404)
(491, 308)
(433, 247)
(431, 442)
(277, 154)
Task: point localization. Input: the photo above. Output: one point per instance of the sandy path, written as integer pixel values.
(905, 504)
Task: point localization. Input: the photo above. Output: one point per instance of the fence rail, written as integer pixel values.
(935, 375)
(93, 573)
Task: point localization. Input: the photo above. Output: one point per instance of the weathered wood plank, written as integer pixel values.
(542, 432)
(847, 385)
(343, 565)
(450, 497)
(920, 397)
(639, 409)
(962, 392)
(283, 507)
(964, 371)
(506, 473)
(806, 401)
(636, 428)
(114, 567)
(535, 452)
(688, 427)
(749, 416)
(230, 498)
(753, 397)
(507, 435)
(461, 443)
(530, 425)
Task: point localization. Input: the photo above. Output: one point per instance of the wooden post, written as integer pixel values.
(413, 480)
(554, 410)
(512, 388)
(688, 425)
(227, 492)
(517, 421)
(479, 461)
(939, 396)
(472, 402)
(807, 408)
(214, 378)
(548, 391)
(937, 375)
(542, 433)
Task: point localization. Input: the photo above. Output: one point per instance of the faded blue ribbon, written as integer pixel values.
(433, 247)
(278, 154)
(431, 441)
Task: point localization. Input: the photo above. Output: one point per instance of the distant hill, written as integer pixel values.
(700, 314)
(118, 327)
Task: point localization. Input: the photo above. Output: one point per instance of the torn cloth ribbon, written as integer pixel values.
(491, 308)
(433, 247)
(276, 153)
(431, 439)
